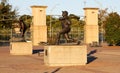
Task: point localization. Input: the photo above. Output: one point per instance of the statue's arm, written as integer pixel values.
(69, 22)
(61, 18)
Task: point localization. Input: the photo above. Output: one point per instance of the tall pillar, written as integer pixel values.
(39, 27)
(91, 30)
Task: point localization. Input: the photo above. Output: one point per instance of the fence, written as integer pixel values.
(4, 39)
(75, 33)
(12, 36)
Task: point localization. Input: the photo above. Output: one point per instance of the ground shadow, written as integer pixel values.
(92, 52)
(56, 70)
(91, 58)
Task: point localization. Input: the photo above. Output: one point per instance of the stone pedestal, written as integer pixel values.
(21, 48)
(65, 55)
(91, 30)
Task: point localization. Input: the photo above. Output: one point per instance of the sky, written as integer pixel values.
(72, 6)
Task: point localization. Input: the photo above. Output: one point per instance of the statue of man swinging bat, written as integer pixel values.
(65, 22)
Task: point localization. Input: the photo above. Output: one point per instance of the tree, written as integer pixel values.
(101, 18)
(4, 1)
(112, 28)
(72, 16)
(27, 20)
(7, 15)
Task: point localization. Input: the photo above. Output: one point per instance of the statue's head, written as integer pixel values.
(64, 13)
(21, 20)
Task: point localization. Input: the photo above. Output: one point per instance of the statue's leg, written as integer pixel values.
(66, 36)
(67, 30)
(58, 36)
(23, 34)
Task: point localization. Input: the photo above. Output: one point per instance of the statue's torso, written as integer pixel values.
(65, 23)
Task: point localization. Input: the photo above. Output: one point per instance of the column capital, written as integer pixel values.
(35, 6)
(90, 8)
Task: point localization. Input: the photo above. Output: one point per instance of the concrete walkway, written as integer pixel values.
(100, 60)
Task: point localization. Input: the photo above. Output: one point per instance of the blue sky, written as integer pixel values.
(72, 6)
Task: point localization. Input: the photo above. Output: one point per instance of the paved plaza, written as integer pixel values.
(100, 60)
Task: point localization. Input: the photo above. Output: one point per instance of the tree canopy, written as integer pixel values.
(112, 28)
(54, 20)
(27, 20)
(7, 15)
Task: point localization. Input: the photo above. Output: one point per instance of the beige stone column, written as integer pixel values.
(91, 30)
(39, 27)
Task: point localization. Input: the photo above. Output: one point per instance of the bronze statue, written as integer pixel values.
(23, 29)
(65, 22)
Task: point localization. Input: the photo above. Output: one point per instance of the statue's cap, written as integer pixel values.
(65, 12)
